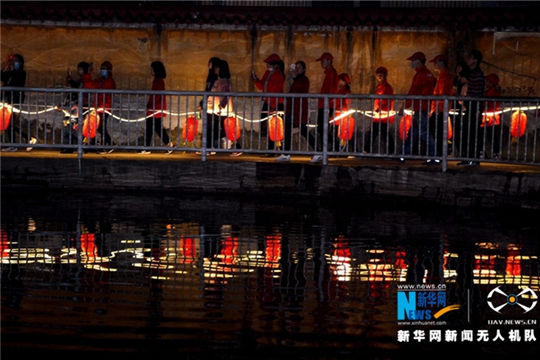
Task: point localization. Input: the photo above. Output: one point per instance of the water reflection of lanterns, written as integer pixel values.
(4, 244)
(340, 260)
(513, 261)
(272, 251)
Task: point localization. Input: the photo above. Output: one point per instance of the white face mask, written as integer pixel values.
(16, 65)
(413, 64)
(104, 73)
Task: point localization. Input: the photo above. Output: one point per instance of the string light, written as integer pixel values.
(367, 113)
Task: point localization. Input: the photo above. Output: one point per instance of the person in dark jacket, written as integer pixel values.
(14, 75)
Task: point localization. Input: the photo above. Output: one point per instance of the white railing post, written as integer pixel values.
(445, 137)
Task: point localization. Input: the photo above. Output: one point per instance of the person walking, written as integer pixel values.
(296, 112)
(470, 127)
(272, 81)
(156, 106)
(220, 108)
(14, 75)
(103, 103)
(381, 113)
(329, 86)
(443, 86)
(423, 83)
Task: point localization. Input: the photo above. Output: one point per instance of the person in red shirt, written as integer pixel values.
(423, 83)
(340, 106)
(329, 86)
(155, 106)
(103, 102)
(381, 109)
(272, 81)
(296, 111)
(444, 86)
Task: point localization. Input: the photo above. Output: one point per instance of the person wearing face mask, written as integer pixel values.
(103, 103)
(423, 83)
(272, 81)
(14, 75)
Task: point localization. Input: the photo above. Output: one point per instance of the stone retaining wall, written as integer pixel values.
(459, 187)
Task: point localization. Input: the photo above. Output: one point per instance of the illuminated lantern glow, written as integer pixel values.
(489, 118)
(232, 128)
(5, 117)
(273, 250)
(383, 117)
(518, 124)
(513, 262)
(190, 129)
(187, 244)
(275, 129)
(229, 249)
(346, 128)
(90, 125)
(450, 130)
(4, 244)
(404, 127)
(88, 246)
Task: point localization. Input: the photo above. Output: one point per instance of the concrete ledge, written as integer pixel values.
(483, 186)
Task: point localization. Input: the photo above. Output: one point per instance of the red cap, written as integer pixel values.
(381, 70)
(325, 55)
(272, 58)
(345, 77)
(493, 78)
(417, 56)
(439, 58)
(107, 65)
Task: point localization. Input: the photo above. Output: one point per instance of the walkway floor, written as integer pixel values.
(191, 156)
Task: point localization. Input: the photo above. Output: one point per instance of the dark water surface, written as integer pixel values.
(176, 276)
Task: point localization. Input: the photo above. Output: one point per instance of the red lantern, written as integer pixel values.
(346, 128)
(404, 127)
(5, 117)
(232, 130)
(275, 128)
(90, 125)
(190, 129)
(450, 131)
(88, 246)
(518, 124)
(489, 118)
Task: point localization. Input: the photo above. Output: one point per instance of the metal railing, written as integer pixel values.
(404, 127)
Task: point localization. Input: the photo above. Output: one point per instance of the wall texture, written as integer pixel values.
(50, 51)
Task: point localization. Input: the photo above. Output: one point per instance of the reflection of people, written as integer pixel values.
(422, 84)
(155, 107)
(381, 108)
(296, 114)
(271, 82)
(14, 75)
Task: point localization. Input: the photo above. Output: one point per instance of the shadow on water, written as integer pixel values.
(87, 275)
